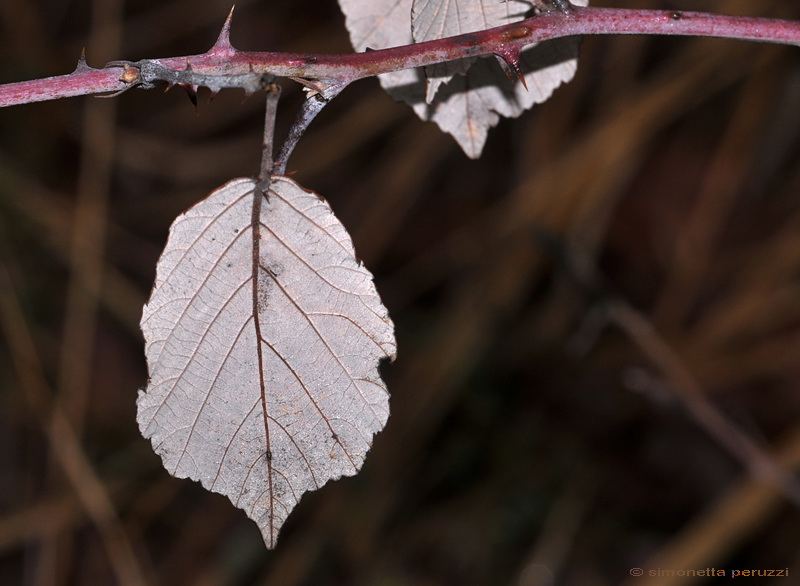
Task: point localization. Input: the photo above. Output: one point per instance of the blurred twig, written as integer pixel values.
(760, 464)
(63, 439)
(714, 532)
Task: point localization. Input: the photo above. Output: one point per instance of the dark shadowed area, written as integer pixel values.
(590, 318)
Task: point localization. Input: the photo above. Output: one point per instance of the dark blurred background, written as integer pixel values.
(623, 259)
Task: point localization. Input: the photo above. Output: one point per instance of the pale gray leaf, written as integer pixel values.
(437, 19)
(377, 24)
(263, 336)
(469, 105)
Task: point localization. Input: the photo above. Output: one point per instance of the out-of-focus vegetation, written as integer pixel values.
(538, 428)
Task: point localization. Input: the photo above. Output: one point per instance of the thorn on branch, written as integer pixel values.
(191, 91)
(82, 65)
(509, 61)
(223, 43)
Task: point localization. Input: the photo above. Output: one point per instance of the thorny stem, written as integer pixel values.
(219, 65)
(325, 76)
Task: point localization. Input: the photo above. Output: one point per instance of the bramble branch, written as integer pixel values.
(223, 66)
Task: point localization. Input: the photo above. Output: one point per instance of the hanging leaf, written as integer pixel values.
(465, 106)
(263, 336)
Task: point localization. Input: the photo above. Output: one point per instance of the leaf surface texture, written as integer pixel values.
(263, 336)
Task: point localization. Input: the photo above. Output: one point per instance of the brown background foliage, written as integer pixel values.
(540, 423)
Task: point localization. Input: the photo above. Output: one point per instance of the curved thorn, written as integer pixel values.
(509, 61)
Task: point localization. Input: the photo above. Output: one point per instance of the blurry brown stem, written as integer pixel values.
(63, 440)
(759, 463)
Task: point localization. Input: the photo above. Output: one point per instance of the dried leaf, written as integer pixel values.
(468, 105)
(437, 19)
(263, 336)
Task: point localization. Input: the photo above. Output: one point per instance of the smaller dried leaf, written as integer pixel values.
(465, 106)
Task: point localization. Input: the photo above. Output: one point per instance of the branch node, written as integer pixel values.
(318, 97)
(131, 76)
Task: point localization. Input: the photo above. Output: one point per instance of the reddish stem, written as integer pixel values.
(223, 60)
